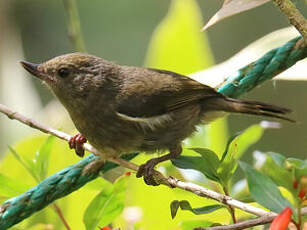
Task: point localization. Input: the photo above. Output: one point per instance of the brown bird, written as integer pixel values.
(122, 109)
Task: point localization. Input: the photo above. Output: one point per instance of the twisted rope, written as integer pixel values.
(54, 187)
(72, 178)
(265, 68)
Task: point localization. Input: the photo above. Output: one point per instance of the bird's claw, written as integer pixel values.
(147, 172)
(76, 142)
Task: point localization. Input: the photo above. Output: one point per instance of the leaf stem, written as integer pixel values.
(288, 8)
(73, 24)
(296, 225)
(230, 208)
(60, 214)
(299, 214)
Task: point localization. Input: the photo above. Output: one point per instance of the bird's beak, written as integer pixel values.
(33, 69)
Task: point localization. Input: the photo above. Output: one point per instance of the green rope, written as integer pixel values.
(72, 178)
(54, 187)
(265, 68)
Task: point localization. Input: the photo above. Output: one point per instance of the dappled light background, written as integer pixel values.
(127, 32)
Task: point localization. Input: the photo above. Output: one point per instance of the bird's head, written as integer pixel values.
(73, 76)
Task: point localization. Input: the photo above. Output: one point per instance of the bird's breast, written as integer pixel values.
(107, 132)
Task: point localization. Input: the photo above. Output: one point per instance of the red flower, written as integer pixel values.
(105, 228)
(282, 221)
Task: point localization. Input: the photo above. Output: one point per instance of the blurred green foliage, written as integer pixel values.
(177, 45)
(107, 205)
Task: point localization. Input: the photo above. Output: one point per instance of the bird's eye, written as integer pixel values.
(63, 72)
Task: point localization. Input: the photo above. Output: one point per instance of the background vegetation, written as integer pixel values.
(154, 33)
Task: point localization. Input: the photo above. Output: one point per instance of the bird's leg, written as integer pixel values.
(147, 170)
(76, 142)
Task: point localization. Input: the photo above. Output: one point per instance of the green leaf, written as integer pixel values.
(185, 205)
(209, 156)
(236, 147)
(177, 43)
(292, 162)
(264, 190)
(275, 169)
(174, 208)
(211, 159)
(10, 187)
(191, 224)
(299, 166)
(42, 158)
(277, 158)
(25, 162)
(228, 145)
(295, 161)
(197, 163)
(107, 205)
(243, 141)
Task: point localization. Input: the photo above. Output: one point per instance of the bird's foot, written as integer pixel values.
(76, 142)
(147, 172)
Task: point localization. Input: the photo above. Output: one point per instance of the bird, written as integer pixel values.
(122, 109)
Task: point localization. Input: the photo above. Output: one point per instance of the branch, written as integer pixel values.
(170, 181)
(74, 28)
(244, 224)
(248, 223)
(64, 136)
(293, 14)
(227, 200)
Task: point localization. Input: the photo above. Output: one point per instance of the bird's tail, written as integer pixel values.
(252, 107)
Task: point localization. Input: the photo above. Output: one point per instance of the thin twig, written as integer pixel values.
(248, 223)
(293, 14)
(297, 225)
(231, 209)
(299, 215)
(172, 182)
(74, 28)
(242, 225)
(60, 214)
(227, 200)
(64, 136)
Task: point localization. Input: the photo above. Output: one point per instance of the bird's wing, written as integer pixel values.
(169, 91)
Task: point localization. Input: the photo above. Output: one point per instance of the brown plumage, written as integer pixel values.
(121, 109)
